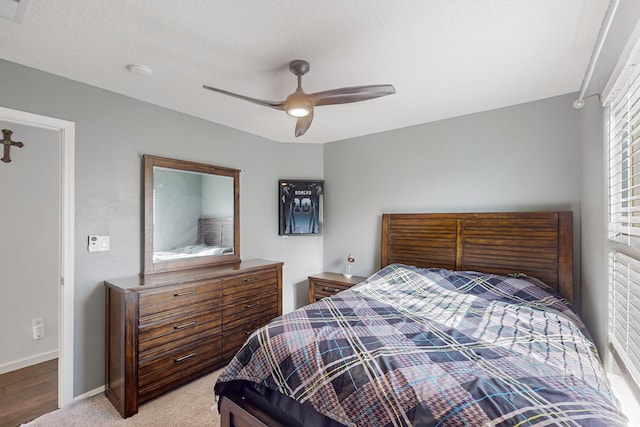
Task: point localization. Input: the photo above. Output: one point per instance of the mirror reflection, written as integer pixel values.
(192, 215)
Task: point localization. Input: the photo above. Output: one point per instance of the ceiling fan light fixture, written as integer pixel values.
(298, 106)
(298, 111)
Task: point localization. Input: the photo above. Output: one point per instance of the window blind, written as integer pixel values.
(624, 221)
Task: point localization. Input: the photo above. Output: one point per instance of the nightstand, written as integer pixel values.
(326, 284)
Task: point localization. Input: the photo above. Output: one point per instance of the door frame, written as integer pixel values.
(67, 221)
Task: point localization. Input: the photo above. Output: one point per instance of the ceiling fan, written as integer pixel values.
(300, 104)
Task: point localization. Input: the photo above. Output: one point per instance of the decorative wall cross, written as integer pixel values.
(7, 142)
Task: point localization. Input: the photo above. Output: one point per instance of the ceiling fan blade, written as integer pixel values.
(303, 123)
(351, 94)
(278, 105)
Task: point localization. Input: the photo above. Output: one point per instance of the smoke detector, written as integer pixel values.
(140, 70)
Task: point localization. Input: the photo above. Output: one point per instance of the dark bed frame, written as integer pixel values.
(538, 244)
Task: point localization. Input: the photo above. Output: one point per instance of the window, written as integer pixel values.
(624, 219)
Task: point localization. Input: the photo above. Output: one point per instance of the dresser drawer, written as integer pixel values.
(246, 299)
(245, 286)
(181, 311)
(248, 310)
(165, 329)
(171, 297)
(173, 362)
(176, 379)
(233, 339)
(173, 329)
(249, 301)
(159, 349)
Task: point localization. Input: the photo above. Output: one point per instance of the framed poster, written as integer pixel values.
(301, 207)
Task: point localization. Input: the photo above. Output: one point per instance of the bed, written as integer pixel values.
(214, 237)
(468, 322)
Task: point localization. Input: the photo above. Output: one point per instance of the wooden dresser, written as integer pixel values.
(165, 329)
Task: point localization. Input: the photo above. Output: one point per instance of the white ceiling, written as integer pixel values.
(445, 57)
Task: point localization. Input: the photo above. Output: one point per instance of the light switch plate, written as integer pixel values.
(103, 243)
(98, 243)
(93, 243)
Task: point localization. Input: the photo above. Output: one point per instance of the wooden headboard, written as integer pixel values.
(539, 244)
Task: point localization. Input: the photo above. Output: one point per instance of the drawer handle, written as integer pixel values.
(184, 325)
(251, 279)
(253, 305)
(328, 289)
(183, 358)
(189, 292)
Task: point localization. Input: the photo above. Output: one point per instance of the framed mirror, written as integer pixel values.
(191, 214)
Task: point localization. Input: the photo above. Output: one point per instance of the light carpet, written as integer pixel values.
(193, 404)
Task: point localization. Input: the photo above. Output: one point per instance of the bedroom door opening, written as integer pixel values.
(36, 310)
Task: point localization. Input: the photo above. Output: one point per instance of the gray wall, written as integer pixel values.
(177, 198)
(593, 158)
(30, 235)
(519, 158)
(539, 155)
(218, 202)
(112, 133)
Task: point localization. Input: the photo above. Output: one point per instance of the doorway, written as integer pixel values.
(58, 152)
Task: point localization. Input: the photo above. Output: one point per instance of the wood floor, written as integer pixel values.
(27, 393)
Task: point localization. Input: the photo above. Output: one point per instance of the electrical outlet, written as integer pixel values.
(38, 328)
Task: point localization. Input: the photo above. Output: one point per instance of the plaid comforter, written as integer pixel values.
(434, 347)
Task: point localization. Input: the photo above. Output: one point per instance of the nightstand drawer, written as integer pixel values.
(328, 284)
(324, 289)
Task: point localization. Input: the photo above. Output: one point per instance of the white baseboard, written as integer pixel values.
(627, 398)
(28, 361)
(96, 391)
